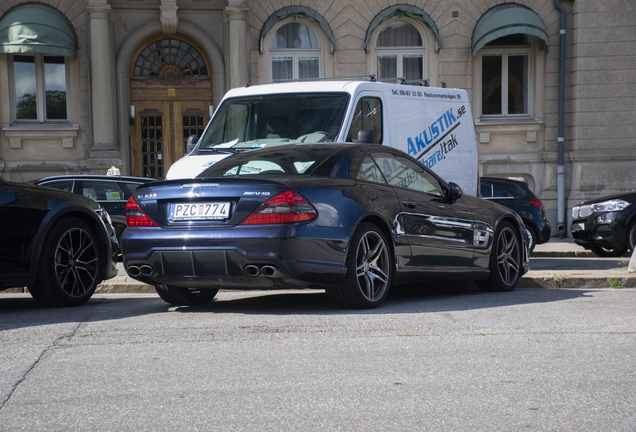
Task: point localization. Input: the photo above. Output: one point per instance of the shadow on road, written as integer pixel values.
(22, 311)
(441, 297)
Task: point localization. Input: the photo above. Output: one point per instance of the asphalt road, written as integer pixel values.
(459, 360)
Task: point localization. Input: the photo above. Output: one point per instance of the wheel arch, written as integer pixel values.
(382, 224)
(516, 224)
(69, 209)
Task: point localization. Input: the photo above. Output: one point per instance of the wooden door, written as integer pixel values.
(160, 132)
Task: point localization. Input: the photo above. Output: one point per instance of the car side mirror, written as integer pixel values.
(454, 192)
(366, 136)
(191, 143)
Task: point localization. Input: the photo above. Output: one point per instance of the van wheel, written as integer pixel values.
(505, 261)
(368, 275)
(179, 296)
(69, 265)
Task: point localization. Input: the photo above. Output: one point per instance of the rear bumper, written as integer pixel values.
(199, 260)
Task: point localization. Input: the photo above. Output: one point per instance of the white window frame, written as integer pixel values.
(400, 52)
(40, 89)
(504, 52)
(295, 53)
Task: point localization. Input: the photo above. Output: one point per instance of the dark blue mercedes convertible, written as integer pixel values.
(354, 219)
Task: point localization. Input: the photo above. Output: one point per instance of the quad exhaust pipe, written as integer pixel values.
(264, 271)
(144, 270)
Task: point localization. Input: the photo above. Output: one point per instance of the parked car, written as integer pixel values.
(111, 192)
(517, 196)
(606, 225)
(351, 218)
(58, 244)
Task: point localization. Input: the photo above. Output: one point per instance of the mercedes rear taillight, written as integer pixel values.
(286, 207)
(135, 217)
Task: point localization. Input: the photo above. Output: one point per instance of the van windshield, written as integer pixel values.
(266, 120)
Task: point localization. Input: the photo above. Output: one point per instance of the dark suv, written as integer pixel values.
(518, 197)
(111, 192)
(606, 225)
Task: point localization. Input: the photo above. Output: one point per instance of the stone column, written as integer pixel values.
(101, 82)
(237, 16)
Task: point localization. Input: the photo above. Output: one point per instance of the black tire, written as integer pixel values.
(505, 260)
(70, 266)
(179, 296)
(631, 236)
(369, 271)
(608, 252)
(533, 239)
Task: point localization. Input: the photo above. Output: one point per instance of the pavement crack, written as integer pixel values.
(67, 336)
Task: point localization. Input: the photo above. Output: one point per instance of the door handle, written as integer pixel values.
(409, 204)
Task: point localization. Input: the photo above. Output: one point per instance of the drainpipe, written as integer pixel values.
(561, 136)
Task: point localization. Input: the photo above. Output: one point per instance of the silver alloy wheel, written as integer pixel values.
(76, 262)
(372, 266)
(530, 239)
(508, 256)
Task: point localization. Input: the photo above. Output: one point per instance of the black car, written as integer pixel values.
(517, 196)
(351, 218)
(606, 225)
(59, 245)
(111, 192)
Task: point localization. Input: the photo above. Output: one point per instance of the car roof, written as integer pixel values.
(96, 177)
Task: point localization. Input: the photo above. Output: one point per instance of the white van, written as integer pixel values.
(434, 125)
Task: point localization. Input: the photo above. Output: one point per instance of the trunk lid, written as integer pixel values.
(205, 203)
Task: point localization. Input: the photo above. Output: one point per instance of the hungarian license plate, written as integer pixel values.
(199, 211)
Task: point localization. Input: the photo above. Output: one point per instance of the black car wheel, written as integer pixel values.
(179, 296)
(631, 236)
(69, 265)
(608, 252)
(368, 271)
(505, 261)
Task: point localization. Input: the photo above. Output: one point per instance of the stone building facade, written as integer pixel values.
(88, 84)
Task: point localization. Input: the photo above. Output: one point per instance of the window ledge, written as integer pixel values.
(508, 121)
(529, 126)
(65, 134)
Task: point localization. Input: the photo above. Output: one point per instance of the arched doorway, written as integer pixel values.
(171, 95)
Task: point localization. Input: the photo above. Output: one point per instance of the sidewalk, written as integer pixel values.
(559, 272)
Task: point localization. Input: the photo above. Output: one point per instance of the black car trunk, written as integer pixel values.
(205, 203)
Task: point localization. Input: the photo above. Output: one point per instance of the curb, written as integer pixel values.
(562, 282)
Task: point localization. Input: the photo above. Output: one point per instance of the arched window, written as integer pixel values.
(170, 56)
(400, 52)
(295, 52)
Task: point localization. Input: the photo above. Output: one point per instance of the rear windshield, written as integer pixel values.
(286, 160)
(261, 121)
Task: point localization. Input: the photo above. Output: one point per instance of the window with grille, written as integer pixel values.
(170, 52)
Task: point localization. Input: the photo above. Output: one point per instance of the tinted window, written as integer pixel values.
(404, 173)
(485, 190)
(102, 190)
(132, 187)
(292, 160)
(498, 192)
(65, 185)
(369, 171)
